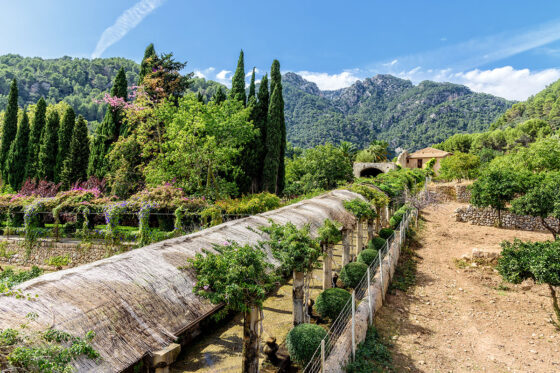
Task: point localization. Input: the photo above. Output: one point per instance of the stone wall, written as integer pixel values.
(489, 217)
(13, 252)
(446, 192)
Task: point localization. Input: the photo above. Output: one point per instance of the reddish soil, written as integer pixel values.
(464, 318)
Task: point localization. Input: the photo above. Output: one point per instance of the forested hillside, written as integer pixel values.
(77, 81)
(386, 108)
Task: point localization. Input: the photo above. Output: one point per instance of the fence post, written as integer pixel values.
(353, 325)
(322, 355)
(369, 296)
(381, 271)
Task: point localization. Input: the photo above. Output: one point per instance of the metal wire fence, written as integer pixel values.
(345, 322)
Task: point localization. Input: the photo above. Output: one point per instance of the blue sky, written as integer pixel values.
(507, 48)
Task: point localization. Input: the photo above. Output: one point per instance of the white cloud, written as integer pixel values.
(248, 75)
(392, 63)
(224, 77)
(328, 82)
(126, 22)
(203, 73)
(503, 81)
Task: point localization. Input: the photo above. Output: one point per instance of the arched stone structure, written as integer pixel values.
(372, 169)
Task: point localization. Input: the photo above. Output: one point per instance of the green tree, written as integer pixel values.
(147, 62)
(219, 96)
(459, 166)
(297, 252)
(539, 261)
(239, 277)
(49, 147)
(75, 165)
(64, 137)
(329, 235)
(237, 91)
(278, 122)
(17, 157)
(120, 86)
(376, 152)
(542, 200)
(37, 128)
(9, 128)
(275, 133)
(252, 87)
(259, 115)
(495, 188)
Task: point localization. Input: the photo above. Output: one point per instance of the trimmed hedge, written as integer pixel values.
(367, 256)
(385, 233)
(376, 243)
(303, 340)
(331, 301)
(352, 273)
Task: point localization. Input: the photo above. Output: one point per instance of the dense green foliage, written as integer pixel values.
(352, 273)
(39, 122)
(237, 91)
(75, 165)
(18, 155)
(367, 256)
(9, 127)
(376, 243)
(397, 217)
(385, 108)
(77, 81)
(303, 340)
(329, 233)
(385, 233)
(372, 355)
(10, 278)
(49, 148)
(331, 302)
(64, 137)
(459, 166)
(360, 209)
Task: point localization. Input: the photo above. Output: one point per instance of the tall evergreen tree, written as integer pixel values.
(252, 88)
(35, 139)
(120, 86)
(17, 157)
(49, 147)
(9, 129)
(274, 168)
(219, 96)
(64, 137)
(75, 165)
(259, 115)
(238, 81)
(146, 65)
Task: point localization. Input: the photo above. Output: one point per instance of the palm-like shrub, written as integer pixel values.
(331, 302)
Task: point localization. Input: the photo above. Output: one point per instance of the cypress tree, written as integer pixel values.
(9, 129)
(276, 82)
(17, 157)
(219, 96)
(259, 116)
(64, 137)
(199, 97)
(238, 81)
(35, 139)
(75, 165)
(97, 165)
(120, 86)
(252, 89)
(146, 65)
(273, 142)
(49, 147)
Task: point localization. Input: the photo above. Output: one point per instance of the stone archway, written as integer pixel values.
(372, 169)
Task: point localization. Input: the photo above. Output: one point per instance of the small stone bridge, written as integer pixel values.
(372, 169)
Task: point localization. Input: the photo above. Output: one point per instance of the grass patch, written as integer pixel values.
(461, 263)
(405, 273)
(372, 355)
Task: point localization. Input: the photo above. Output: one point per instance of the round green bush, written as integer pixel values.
(385, 233)
(303, 340)
(367, 256)
(352, 273)
(331, 301)
(376, 243)
(396, 219)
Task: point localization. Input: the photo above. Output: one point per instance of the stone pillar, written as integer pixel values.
(360, 234)
(162, 359)
(327, 266)
(346, 237)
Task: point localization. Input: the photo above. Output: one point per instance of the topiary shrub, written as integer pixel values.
(331, 301)
(376, 243)
(303, 340)
(396, 219)
(385, 233)
(352, 273)
(367, 256)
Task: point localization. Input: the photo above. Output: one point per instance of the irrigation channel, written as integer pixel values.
(219, 350)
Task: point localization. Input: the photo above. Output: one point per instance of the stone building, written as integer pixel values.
(420, 158)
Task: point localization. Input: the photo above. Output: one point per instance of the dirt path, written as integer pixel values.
(464, 320)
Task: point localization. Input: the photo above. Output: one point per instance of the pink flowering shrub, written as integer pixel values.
(42, 188)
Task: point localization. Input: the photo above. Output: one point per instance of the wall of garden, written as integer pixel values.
(489, 217)
(448, 192)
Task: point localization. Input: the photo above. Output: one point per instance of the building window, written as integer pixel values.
(419, 163)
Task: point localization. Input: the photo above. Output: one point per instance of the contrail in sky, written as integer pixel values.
(126, 22)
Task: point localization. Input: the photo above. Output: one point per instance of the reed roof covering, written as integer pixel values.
(139, 301)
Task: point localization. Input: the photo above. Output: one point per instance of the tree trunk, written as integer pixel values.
(499, 218)
(327, 266)
(555, 305)
(250, 352)
(297, 297)
(550, 229)
(360, 239)
(346, 234)
(370, 229)
(378, 220)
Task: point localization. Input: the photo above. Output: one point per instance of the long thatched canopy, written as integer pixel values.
(139, 301)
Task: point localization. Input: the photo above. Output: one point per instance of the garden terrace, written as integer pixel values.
(139, 302)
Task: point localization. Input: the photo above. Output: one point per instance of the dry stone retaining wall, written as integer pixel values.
(451, 192)
(489, 217)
